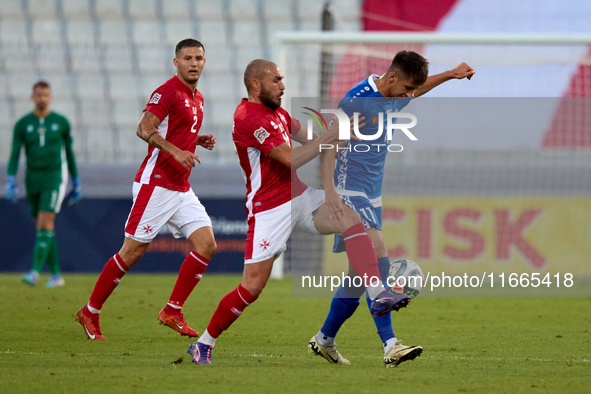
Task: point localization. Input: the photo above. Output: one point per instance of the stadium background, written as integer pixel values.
(103, 58)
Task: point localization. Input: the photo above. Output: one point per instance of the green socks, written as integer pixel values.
(52, 258)
(43, 245)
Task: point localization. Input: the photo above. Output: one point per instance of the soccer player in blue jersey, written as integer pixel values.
(358, 178)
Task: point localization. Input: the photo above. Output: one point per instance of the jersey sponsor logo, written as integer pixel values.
(155, 98)
(261, 134)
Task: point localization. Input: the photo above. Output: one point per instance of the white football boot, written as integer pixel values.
(400, 353)
(330, 353)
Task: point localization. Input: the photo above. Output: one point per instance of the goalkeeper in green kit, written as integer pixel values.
(48, 147)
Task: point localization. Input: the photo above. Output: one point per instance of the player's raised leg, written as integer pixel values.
(394, 351)
(361, 255)
(195, 264)
(117, 266)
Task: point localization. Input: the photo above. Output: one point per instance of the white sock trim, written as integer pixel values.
(207, 339)
(242, 298)
(93, 310)
(324, 340)
(119, 265)
(390, 343)
(198, 259)
(174, 306)
(374, 289)
(354, 235)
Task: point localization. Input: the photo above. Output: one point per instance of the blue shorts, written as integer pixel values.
(370, 212)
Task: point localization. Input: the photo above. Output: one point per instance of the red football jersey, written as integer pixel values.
(257, 130)
(181, 114)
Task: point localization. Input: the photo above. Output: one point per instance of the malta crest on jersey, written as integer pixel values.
(374, 120)
(261, 134)
(155, 98)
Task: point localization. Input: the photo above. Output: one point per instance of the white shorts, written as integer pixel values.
(268, 231)
(155, 206)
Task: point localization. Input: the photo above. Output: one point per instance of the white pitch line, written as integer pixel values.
(256, 355)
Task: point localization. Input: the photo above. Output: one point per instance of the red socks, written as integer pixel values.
(229, 309)
(360, 252)
(189, 275)
(107, 281)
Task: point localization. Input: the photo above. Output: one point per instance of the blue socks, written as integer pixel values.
(383, 323)
(345, 302)
(343, 305)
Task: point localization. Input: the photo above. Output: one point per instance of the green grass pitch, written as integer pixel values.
(471, 345)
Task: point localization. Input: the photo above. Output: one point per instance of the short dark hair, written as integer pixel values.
(412, 65)
(256, 69)
(188, 43)
(41, 84)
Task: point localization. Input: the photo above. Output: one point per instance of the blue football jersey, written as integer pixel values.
(357, 169)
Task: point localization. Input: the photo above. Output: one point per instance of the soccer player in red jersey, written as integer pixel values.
(162, 193)
(277, 202)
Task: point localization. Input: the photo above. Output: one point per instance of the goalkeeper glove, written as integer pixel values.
(13, 189)
(76, 192)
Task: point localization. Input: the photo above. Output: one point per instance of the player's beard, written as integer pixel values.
(266, 99)
(41, 107)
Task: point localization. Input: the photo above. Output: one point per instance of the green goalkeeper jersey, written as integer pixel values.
(48, 144)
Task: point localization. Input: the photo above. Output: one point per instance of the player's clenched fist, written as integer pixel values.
(207, 141)
(463, 71)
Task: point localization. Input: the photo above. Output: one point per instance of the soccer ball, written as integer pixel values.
(405, 277)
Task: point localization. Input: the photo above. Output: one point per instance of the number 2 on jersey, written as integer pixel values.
(193, 130)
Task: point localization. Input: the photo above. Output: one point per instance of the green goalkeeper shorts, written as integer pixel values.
(45, 195)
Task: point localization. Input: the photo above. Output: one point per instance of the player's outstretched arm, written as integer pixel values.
(148, 131)
(297, 157)
(460, 72)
